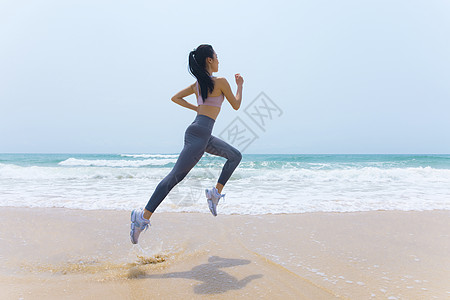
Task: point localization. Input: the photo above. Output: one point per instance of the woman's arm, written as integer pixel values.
(235, 101)
(184, 103)
(178, 98)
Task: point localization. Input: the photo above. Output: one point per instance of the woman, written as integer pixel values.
(210, 92)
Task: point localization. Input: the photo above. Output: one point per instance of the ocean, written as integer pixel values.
(262, 183)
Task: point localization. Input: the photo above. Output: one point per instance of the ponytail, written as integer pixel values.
(197, 67)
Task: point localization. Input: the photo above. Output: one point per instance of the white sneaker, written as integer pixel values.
(138, 224)
(212, 197)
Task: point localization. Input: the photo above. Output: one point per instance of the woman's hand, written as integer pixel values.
(239, 79)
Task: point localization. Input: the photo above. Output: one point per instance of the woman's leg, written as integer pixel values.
(194, 147)
(218, 147)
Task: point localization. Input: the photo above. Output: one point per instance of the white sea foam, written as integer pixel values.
(79, 183)
(116, 163)
(150, 155)
(35, 173)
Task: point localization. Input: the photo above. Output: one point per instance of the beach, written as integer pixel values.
(333, 166)
(50, 253)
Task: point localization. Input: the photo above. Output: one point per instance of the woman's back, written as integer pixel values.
(211, 100)
(211, 106)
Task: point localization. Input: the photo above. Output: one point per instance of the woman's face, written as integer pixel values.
(214, 63)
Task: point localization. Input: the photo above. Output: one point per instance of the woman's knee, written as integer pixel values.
(173, 178)
(237, 156)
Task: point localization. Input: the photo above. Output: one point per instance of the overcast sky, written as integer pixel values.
(348, 76)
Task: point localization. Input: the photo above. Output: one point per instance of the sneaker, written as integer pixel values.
(213, 196)
(138, 224)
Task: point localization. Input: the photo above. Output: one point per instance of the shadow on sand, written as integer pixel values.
(214, 280)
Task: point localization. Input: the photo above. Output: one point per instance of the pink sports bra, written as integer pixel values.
(211, 101)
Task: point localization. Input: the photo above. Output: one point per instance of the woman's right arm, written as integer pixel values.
(235, 101)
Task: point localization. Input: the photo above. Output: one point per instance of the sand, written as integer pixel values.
(58, 253)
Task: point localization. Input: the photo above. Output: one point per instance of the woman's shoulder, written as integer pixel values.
(217, 80)
(220, 80)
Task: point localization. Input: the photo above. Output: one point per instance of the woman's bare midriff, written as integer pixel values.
(207, 110)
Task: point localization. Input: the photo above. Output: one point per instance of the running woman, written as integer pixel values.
(210, 92)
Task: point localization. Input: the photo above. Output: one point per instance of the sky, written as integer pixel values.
(355, 77)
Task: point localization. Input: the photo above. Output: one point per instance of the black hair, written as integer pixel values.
(197, 67)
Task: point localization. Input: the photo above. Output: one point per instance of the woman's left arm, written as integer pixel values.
(178, 98)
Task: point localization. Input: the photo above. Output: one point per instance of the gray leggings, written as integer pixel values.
(197, 140)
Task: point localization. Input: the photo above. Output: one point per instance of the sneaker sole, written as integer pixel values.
(133, 219)
(212, 208)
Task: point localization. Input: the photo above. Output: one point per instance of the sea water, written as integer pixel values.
(262, 183)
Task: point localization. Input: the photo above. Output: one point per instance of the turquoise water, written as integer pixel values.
(309, 161)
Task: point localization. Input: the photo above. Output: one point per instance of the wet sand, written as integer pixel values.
(59, 253)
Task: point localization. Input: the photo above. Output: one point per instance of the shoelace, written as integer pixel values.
(221, 196)
(213, 192)
(144, 226)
